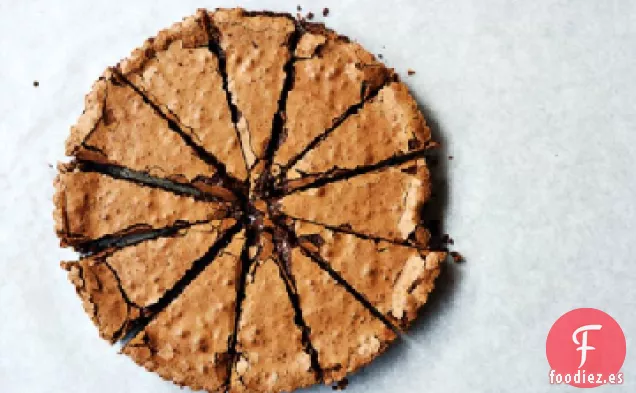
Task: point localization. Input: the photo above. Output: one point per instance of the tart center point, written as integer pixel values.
(261, 207)
(258, 213)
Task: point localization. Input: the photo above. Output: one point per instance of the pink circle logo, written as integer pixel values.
(586, 348)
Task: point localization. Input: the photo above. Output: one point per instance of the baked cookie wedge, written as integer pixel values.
(395, 279)
(104, 302)
(389, 126)
(256, 47)
(332, 77)
(119, 128)
(383, 204)
(90, 206)
(343, 332)
(270, 352)
(178, 73)
(187, 342)
(118, 286)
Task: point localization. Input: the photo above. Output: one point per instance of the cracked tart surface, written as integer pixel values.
(246, 190)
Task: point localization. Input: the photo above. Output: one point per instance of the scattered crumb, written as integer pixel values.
(380, 56)
(36, 83)
(457, 257)
(310, 15)
(50, 165)
(341, 385)
(410, 72)
(450, 157)
(325, 11)
(299, 8)
(447, 239)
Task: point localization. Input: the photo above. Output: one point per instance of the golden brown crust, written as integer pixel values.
(385, 203)
(256, 49)
(178, 72)
(326, 84)
(103, 301)
(344, 333)
(187, 342)
(389, 125)
(271, 358)
(395, 279)
(89, 206)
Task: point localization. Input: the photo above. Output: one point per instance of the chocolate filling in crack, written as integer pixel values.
(247, 192)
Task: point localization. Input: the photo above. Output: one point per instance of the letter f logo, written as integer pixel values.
(583, 344)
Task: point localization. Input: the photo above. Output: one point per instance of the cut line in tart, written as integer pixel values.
(382, 204)
(137, 277)
(394, 278)
(187, 341)
(343, 332)
(118, 127)
(90, 205)
(389, 126)
(178, 73)
(247, 192)
(256, 52)
(269, 344)
(332, 76)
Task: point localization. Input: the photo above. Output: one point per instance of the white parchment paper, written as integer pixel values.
(536, 101)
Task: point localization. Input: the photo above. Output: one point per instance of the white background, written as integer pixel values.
(536, 100)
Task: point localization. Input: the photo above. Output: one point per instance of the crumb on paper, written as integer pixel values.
(457, 257)
(450, 157)
(310, 15)
(410, 72)
(380, 55)
(299, 8)
(36, 83)
(446, 239)
(325, 11)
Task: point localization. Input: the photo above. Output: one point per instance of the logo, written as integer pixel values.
(586, 348)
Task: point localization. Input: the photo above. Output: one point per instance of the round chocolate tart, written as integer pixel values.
(245, 190)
